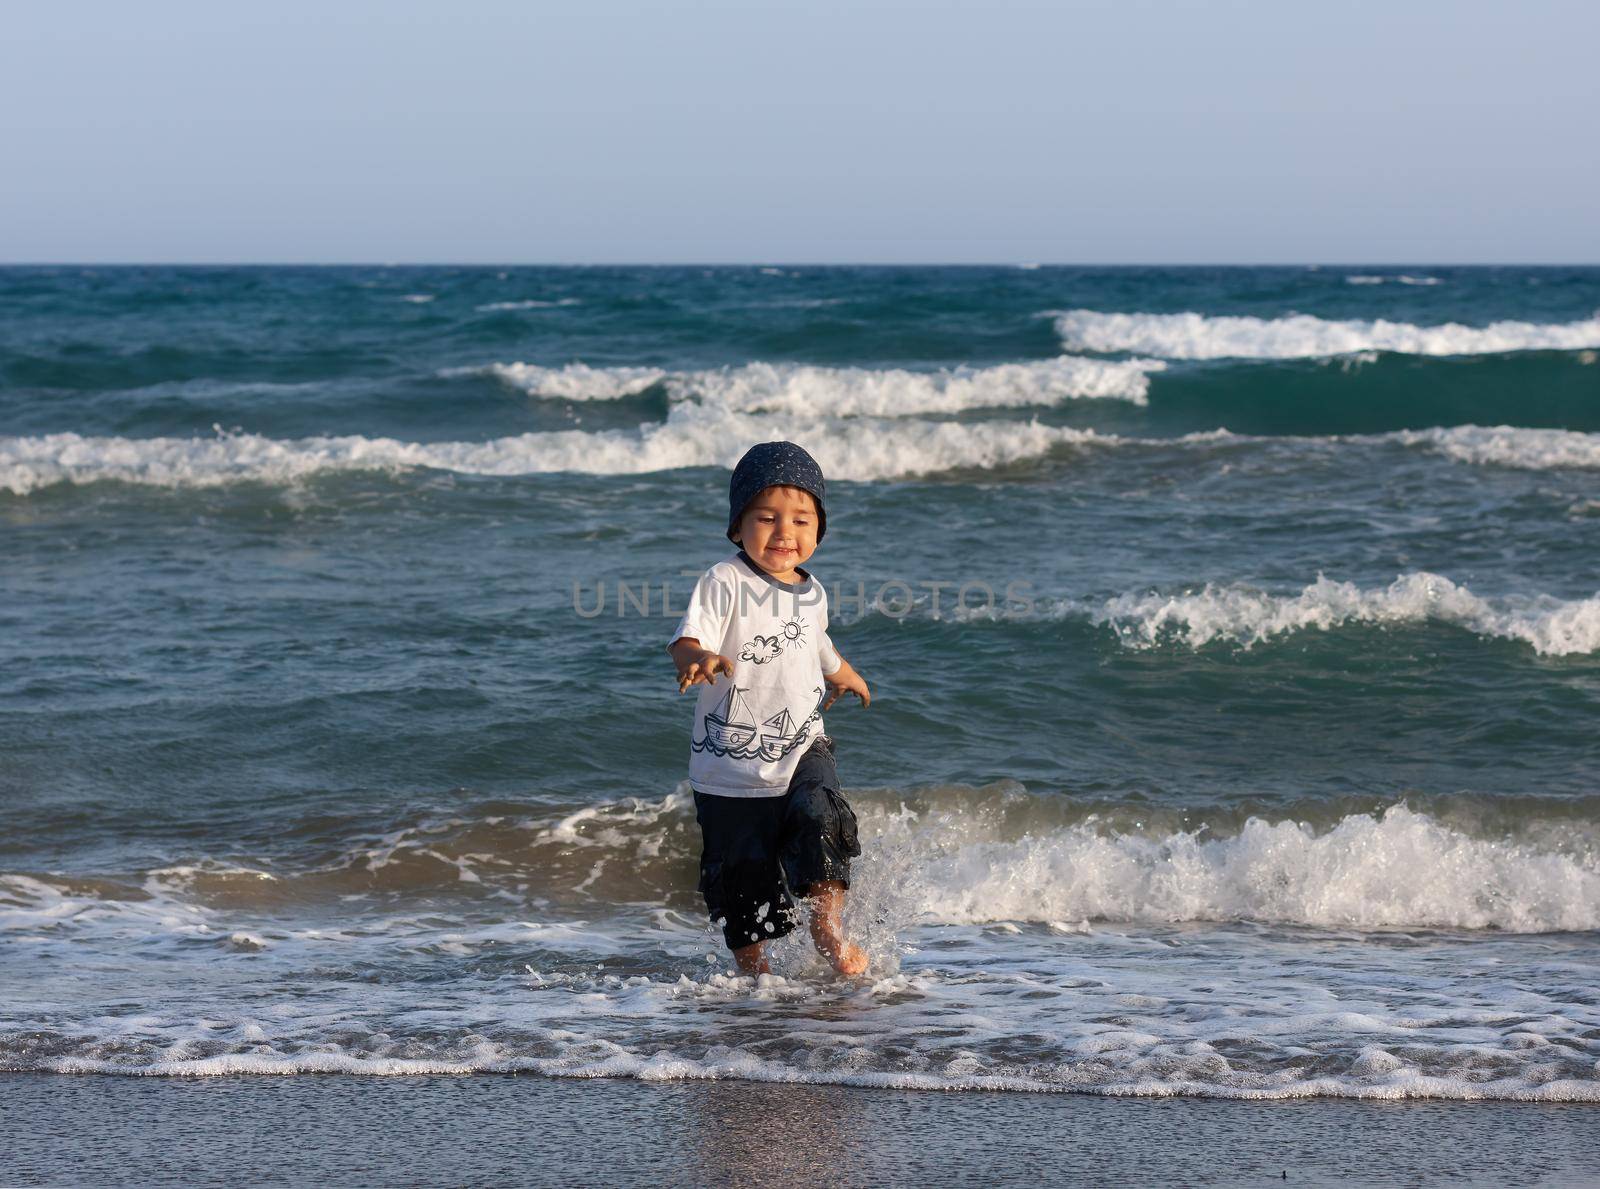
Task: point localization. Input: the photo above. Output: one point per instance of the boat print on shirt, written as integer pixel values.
(731, 729)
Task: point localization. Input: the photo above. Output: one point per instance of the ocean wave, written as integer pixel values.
(531, 303)
(944, 854)
(1392, 869)
(1247, 616)
(1020, 941)
(1301, 336)
(1402, 279)
(798, 390)
(575, 381)
(1506, 446)
(691, 436)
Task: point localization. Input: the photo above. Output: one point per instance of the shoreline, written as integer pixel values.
(108, 1129)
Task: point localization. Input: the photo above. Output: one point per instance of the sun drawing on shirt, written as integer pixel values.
(794, 631)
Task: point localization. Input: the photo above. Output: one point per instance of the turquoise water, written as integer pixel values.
(1273, 775)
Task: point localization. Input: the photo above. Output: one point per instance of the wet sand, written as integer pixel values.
(62, 1130)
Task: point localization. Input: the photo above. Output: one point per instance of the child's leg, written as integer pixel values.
(827, 928)
(751, 959)
(740, 876)
(819, 842)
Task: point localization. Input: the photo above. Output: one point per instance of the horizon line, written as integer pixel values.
(1023, 265)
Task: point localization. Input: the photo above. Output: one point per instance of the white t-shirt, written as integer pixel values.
(750, 731)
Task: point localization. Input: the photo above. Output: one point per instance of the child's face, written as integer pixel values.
(779, 530)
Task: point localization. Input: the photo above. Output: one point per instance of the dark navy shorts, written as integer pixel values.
(761, 852)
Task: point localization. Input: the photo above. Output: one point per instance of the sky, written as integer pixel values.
(890, 131)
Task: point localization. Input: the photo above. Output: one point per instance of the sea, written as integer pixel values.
(1233, 636)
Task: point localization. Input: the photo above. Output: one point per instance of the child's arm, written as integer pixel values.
(845, 680)
(696, 665)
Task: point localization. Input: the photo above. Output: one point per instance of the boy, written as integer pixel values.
(766, 790)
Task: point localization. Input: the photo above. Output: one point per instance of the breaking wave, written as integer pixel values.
(1302, 336)
(1401, 279)
(949, 854)
(1393, 868)
(1507, 446)
(1246, 616)
(531, 303)
(806, 391)
(1010, 932)
(691, 436)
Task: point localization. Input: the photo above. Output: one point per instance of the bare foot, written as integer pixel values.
(827, 931)
(850, 958)
(752, 960)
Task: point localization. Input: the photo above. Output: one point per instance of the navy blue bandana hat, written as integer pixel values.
(774, 464)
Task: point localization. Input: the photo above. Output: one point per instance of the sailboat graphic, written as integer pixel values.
(777, 734)
(731, 729)
(731, 725)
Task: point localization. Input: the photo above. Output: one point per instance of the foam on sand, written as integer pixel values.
(1130, 1064)
(1302, 336)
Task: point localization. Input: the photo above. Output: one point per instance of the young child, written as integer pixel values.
(766, 790)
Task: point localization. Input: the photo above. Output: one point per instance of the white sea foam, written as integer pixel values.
(1507, 445)
(804, 391)
(531, 303)
(1402, 279)
(37, 907)
(1514, 446)
(1247, 616)
(1019, 943)
(1133, 1065)
(1130, 1005)
(1399, 868)
(946, 855)
(692, 435)
(576, 381)
(1302, 336)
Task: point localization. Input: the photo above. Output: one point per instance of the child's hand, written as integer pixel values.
(702, 668)
(845, 680)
